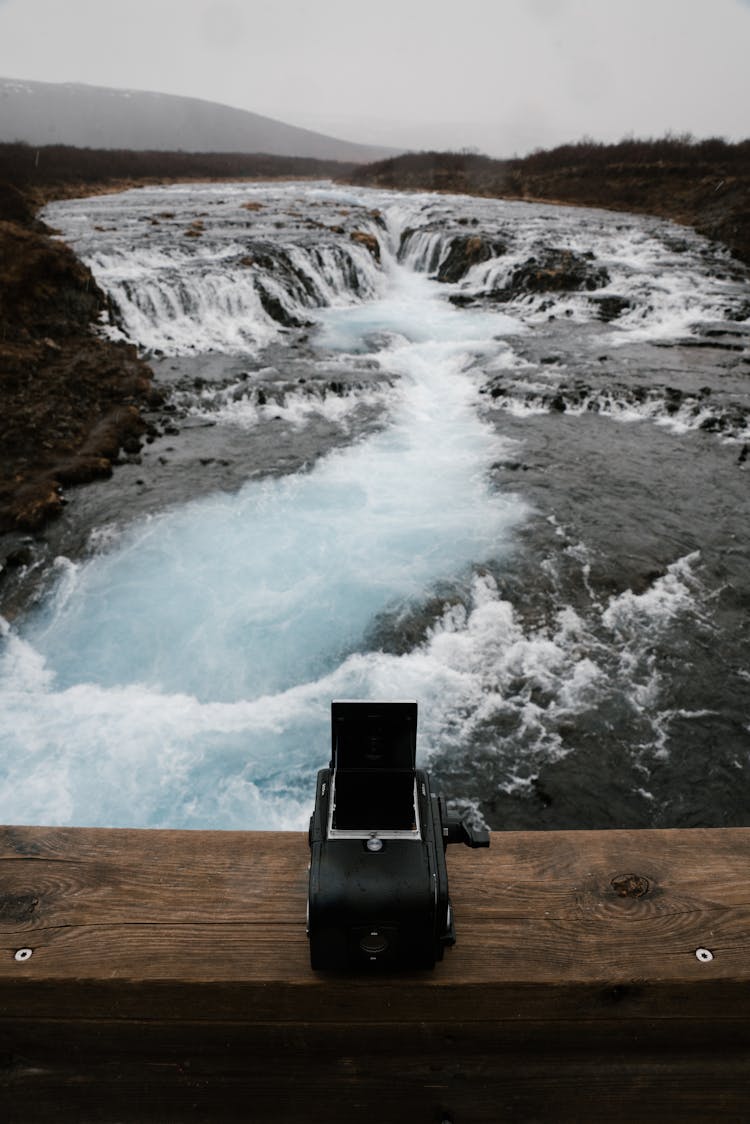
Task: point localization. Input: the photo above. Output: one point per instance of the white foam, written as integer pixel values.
(526, 399)
(141, 756)
(294, 408)
(668, 596)
(670, 293)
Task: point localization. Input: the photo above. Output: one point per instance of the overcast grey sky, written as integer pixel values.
(503, 75)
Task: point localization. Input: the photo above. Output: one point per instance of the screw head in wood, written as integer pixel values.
(24, 954)
(704, 955)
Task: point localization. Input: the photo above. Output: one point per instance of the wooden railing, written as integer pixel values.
(164, 976)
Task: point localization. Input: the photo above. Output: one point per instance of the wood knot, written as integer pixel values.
(630, 885)
(17, 907)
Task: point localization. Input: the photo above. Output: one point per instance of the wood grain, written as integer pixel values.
(160, 955)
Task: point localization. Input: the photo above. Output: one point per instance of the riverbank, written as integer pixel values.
(71, 400)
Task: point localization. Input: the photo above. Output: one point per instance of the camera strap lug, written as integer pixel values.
(456, 830)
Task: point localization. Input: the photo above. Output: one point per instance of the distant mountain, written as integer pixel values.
(101, 117)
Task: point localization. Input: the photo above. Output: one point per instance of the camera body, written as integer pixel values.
(378, 894)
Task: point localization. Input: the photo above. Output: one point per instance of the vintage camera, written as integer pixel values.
(378, 877)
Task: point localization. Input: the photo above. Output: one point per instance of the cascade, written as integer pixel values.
(181, 673)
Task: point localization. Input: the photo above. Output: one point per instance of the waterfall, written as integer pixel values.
(181, 673)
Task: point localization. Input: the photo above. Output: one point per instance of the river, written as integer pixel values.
(483, 454)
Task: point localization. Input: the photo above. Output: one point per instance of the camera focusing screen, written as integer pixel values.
(374, 747)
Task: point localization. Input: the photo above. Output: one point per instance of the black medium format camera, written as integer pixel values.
(378, 877)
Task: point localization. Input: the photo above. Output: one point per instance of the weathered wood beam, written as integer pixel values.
(169, 979)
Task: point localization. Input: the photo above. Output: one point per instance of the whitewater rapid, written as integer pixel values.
(532, 588)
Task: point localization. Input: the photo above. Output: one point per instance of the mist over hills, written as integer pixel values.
(71, 113)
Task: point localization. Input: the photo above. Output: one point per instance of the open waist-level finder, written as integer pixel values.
(378, 891)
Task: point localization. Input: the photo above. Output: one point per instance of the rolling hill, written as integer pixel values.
(43, 113)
